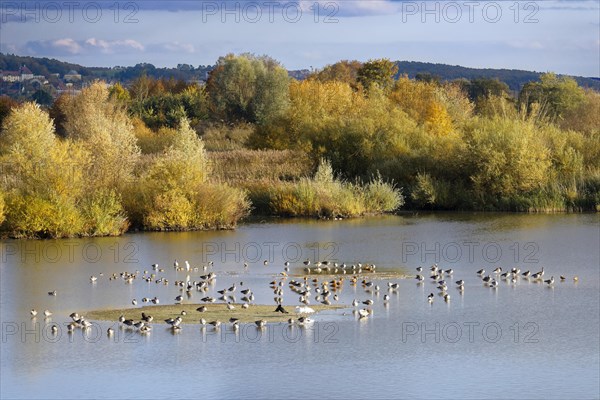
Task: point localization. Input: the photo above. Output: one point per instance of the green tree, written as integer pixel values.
(553, 97)
(380, 72)
(42, 97)
(248, 88)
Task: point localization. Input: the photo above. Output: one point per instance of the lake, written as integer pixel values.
(523, 339)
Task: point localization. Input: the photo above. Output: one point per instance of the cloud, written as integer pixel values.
(68, 46)
(114, 46)
(171, 47)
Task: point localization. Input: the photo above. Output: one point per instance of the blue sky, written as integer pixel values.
(559, 36)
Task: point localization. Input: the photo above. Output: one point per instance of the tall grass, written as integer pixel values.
(325, 196)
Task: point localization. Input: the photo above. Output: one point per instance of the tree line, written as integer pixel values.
(112, 158)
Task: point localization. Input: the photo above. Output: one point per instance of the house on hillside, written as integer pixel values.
(72, 76)
(22, 75)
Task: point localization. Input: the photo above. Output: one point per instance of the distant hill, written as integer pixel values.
(515, 79)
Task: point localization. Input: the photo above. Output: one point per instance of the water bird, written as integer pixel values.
(52, 293)
(481, 272)
(498, 270)
(202, 309)
(363, 313)
(420, 278)
(93, 279)
(304, 310)
(460, 283)
(134, 302)
(430, 297)
(575, 279)
(230, 306)
(281, 309)
(419, 269)
(355, 303)
(47, 313)
(550, 281)
(183, 312)
(179, 299)
(54, 329)
(368, 302)
(33, 312)
(562, 278)
(260, 323)
(526, 274)
(215, 323)
(446, 297)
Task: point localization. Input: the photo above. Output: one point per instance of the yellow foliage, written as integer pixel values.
(106, 131)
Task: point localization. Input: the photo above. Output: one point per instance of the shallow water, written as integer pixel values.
(521, 340)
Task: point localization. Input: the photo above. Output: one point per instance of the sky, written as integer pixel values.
(558, 35)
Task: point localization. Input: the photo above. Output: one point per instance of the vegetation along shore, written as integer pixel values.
(349, 140)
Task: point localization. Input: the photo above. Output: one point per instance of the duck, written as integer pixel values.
(260, 323)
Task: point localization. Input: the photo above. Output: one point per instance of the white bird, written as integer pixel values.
(304, 310)
(93, 279)
(363, 313)
(33, 312)
(134, 302)
(47, 313)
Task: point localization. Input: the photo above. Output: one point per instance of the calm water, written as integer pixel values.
(523, 340)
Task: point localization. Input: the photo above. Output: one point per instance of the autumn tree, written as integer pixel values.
(105, 130)
(343, 71)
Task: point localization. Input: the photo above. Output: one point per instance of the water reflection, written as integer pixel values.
(563, 318)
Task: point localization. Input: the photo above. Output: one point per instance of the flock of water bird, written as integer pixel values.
(305, 286)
